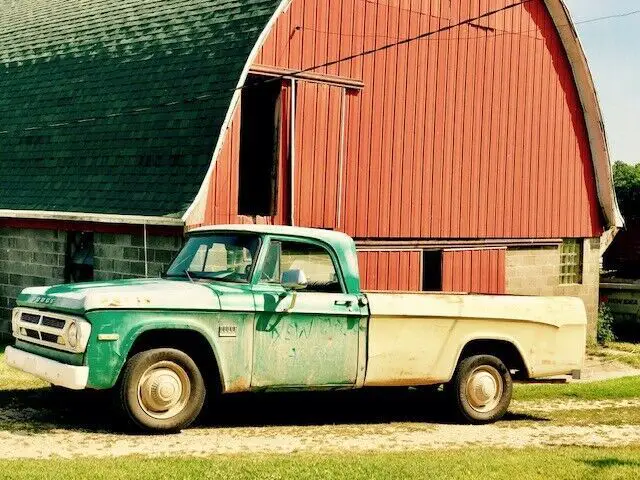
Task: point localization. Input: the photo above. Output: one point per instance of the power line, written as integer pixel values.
(408, 39)
(489, 30)
(608, 17)
(211, 96)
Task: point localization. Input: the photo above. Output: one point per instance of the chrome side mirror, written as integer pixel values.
(294, 280)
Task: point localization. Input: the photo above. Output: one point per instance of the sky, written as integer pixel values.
(613, 51)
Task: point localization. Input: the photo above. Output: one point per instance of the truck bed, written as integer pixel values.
(416, 338)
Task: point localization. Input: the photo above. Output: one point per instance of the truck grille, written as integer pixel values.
(30, 318)
(51, 322)
(47, 329)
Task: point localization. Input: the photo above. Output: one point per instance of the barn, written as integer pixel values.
(460, 142)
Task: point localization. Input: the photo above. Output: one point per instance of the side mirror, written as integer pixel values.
(294, 280)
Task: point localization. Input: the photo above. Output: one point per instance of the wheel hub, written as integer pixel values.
(163, 390)
(484, 389)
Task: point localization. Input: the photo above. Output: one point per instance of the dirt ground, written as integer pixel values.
(598, 368)
(45, 424)
(388, 437)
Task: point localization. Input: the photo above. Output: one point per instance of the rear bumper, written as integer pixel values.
(68, 376)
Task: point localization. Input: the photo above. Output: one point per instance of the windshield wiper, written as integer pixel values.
(188, 274)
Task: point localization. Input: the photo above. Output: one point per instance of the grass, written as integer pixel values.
(526, 464)
(627, 353)
(620, 388)
(12, 379)
(610, 416)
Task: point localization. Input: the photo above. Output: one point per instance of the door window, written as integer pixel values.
(313, 260)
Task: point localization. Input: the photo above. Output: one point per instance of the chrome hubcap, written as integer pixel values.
(484, 389)
(164, 390)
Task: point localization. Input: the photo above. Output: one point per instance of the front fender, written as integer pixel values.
(106, 358)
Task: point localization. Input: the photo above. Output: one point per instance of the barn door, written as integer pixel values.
(319, 124)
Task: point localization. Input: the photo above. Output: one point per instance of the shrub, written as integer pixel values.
(605, 325)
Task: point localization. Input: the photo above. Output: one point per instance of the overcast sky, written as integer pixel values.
(613, 51)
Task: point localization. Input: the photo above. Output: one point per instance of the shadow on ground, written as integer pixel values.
(612, 462)
(32, 411)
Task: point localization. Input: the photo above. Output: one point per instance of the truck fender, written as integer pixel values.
(137, 332)
(487, 338)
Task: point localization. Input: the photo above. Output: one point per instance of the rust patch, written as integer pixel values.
(240, 384)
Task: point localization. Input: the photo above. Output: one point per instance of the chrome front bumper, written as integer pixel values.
(68, 376)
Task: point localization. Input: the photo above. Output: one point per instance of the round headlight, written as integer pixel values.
(72, 335)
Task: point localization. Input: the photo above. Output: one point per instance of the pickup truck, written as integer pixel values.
(258, 308)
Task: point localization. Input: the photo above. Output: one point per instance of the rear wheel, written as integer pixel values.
(481, 389)
(161, 390)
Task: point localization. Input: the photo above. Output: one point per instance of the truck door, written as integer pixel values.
(309, 337)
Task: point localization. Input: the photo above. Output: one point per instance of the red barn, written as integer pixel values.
(472, 159)
(460, 142)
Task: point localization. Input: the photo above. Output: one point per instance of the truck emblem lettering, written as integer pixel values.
(45, 300)
(228, 331)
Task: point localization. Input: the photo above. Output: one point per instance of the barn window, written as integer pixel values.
(259, 146)
(432, 271)
(79, 257)
(571, 254)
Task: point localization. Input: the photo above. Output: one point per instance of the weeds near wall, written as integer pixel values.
(605, 325)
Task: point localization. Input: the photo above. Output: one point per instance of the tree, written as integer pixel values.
(626, 179)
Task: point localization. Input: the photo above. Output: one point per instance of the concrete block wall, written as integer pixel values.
(536, 271)
(118, 256)
(28, 257)
(35, 257)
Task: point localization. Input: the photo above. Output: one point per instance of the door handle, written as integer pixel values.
(343, 303)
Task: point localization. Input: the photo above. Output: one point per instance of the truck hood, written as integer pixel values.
(137, 294)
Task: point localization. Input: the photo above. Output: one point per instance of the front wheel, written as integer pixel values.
(481, 389)
(161, 390)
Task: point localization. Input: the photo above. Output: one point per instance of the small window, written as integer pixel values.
(314, 261)
(571, 262)
(79, 257)
(432, 271)
(259, 146)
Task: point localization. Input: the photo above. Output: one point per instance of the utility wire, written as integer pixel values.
(490, 31)
(210, 96)
(408, 39)
(608, 17)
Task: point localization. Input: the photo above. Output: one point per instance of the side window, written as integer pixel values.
(313, 260)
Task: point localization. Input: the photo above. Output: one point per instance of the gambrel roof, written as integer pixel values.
(114, 106)
(117, 107)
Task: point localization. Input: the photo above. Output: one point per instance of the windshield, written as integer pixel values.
(228, 257)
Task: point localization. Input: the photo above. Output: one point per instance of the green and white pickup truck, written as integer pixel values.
(252, 308)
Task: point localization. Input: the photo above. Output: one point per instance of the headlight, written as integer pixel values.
(73, 334)
(14, 320)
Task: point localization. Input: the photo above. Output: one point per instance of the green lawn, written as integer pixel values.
(628, 387)
(589, 417)
(11, 379)
(527, 464)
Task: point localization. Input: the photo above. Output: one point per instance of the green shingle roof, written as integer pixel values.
(73, 71)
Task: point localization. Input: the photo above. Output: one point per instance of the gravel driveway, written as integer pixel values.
(43, 424)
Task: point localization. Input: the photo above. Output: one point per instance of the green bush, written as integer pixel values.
(605, 325)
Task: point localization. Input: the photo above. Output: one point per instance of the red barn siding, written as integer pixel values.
(474, 271)
(391, 270)
(319, 152)
(471, 133)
